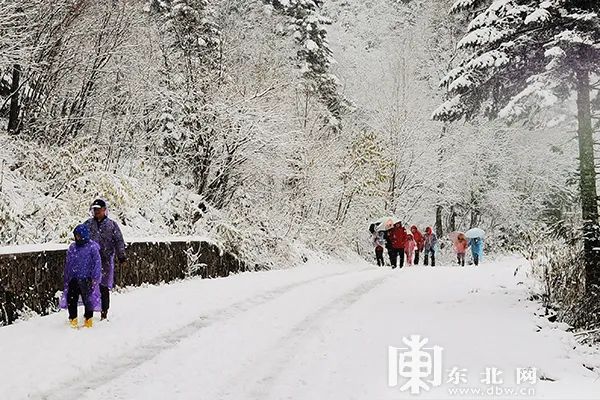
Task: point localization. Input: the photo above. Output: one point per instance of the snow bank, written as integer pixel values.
(317, 331)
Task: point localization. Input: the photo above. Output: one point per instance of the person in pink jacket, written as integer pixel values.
(460, 247)
(409, 248)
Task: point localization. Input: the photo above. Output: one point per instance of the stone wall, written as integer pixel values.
(30, 280)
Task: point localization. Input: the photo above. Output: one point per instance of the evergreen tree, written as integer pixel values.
(526, 55)
(314, 55)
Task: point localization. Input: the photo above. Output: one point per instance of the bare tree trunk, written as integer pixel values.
(391, 205)
(452, 224)
(439, 231)
(15, 107)
(439, 227)
(474, 218)
(589, 195)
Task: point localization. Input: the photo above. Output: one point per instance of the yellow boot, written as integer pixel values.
(88, 323)
(73, 323)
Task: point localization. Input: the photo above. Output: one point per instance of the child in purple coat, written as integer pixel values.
(82, 275)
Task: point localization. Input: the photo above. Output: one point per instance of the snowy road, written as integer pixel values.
(314, 332)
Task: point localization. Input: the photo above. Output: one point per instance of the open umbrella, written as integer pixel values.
(454, 236)
(475, 233)
(378, 221)
(387, 223)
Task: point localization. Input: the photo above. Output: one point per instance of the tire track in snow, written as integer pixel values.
(285, 347)
(108, 370)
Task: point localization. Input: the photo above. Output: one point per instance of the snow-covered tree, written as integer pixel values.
(314, 54)
(207, 117)
(14, 46)
(525, 55)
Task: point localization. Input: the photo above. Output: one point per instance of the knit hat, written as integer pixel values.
(83, 232)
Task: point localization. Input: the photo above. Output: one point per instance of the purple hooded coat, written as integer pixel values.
(108, 235)
(83, 262)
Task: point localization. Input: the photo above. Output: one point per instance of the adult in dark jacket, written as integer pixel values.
(107, 234)
(392, 253)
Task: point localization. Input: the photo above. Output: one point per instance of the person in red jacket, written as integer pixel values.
(398, 239)
(418, 236)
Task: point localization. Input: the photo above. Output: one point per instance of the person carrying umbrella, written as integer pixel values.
(476, 245)
(392, 253)
(476, 236)
(378, 242)
(384, 226)
(460, 247)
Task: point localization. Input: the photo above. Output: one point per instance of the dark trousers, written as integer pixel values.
(396, 255)
(417, 256)
(105, 298)
(83, 288)
(476, 258)
(379, 256)
(401, 257)
(461, 259)
(393, 254)
(426, 257)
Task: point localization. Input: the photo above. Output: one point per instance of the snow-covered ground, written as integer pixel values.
(313, 332)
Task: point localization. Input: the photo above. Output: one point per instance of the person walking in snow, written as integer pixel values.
(82, 274)
(400, 242)
(107, 234)
(392, 254)
(476, 245)
(378, 242)
(430, 241)
(418, 236)
(395, 239)
(460, 247)
(409, 249)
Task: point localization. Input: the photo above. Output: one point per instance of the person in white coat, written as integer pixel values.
(379, 243)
